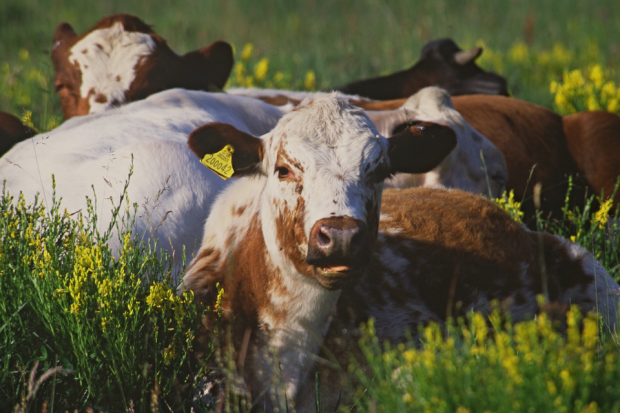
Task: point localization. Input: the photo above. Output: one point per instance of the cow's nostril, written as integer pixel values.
(323, 239)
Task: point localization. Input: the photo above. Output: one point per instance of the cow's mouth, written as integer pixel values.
(336, 277)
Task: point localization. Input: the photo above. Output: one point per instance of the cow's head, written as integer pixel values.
(324, 164)
(456, 71)
(475, 165)
(121, 60)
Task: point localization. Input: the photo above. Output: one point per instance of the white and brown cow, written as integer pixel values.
(475, 165)
(306, 249)
(121, 59)
(92, 155)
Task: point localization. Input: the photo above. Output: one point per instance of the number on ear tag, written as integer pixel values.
(220, 162)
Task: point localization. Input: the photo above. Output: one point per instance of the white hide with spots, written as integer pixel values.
(97, 150)
(108, 59)
(333, 142)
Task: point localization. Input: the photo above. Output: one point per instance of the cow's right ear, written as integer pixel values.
(208, 68)
(213, 137)
(420, 148)
(64, 34)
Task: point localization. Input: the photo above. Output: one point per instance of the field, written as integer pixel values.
(116, 323)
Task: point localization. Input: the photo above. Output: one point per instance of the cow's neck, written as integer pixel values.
(300, 309)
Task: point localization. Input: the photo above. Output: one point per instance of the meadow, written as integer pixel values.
(86, 329)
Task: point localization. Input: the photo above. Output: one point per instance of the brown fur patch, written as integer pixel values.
(527, 135)
(593, 140)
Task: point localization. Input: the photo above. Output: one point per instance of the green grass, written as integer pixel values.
(340, 41)
(113, 321)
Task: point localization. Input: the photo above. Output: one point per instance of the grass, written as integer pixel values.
(297, 36)
(112, 321)
(114, 324)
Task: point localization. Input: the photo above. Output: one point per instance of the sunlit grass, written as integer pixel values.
(113, 319)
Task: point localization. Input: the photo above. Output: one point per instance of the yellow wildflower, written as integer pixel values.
(170, 354)
(602, 215)
(260, 70)
(23, 55)
(519, 52)
(246, 54)
(310, 80)
(597, 76)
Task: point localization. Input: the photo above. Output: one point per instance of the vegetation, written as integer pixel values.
(114, 323)
(89, 328)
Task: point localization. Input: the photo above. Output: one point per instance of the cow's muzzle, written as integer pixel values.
(338, 249)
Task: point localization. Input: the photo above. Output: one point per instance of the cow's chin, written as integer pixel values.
(337, 277)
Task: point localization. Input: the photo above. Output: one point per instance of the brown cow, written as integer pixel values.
(305, 249)
(121, 59)
(585, 145)
(442, 63)
(12, 131)
(593, 140)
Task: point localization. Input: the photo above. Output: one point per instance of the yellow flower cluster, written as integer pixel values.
(585, 90)
(164, 298)
(602, 215)
(513, 208)
(259, 75)
(507, 354)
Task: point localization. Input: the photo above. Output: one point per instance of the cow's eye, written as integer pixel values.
(283, 172)
(58, 86)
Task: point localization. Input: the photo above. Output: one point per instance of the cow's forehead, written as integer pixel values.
(107, 58)
(325, 128)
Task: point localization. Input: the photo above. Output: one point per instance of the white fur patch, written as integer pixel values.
(108, 58)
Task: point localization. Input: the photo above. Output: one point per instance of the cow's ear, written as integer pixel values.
(64, 34)
(420, 148)
(213, 137)
(208, 68)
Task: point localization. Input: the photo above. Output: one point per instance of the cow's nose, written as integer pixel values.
(338, 242)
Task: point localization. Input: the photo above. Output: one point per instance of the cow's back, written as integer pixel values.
(537, 138)
(443, 253)
(594, 141)
(93, 154)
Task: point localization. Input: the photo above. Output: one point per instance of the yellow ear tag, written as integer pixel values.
(220, 162)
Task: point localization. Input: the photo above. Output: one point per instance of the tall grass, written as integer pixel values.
(112, 320)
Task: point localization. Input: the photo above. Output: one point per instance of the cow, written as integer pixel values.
(593, 139)
(442, 63)
(174, 190)
(12, 131)
(475, 165)
(306, 245)
(121, 60)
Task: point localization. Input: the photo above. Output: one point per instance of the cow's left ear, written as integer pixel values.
(213, 137)
(208, 68)
(420, 148)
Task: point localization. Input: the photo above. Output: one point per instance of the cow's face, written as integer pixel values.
(325, 164)
(456, 71)
(121, 60)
